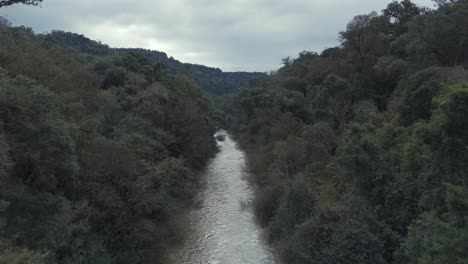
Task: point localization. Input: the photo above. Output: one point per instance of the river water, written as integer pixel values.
(224, 232)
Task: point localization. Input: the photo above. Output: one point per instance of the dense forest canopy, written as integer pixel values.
(360, 153)
(212, 80)
(99, 157)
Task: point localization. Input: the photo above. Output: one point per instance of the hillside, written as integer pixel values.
(359, 154)
(356, 154)
(212, 80)
(99, 157)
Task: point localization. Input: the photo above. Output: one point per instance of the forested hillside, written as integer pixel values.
(360, 153)
(214, 81)
(99, 157)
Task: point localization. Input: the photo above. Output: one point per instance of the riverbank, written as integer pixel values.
(222, 231)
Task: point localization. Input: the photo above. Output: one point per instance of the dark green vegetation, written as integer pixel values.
(360, 154)
(99, 156)
(214, 81)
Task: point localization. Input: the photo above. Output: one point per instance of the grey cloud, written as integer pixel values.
(248, 35)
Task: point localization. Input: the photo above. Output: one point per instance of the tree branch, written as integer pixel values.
(4, 3)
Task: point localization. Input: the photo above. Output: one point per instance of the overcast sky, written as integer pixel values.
(234, 35)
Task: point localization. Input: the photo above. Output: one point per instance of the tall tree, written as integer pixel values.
(400, 13)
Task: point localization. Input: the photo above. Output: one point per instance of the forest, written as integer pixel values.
(213, 81)
(360, 153)
(99, 157)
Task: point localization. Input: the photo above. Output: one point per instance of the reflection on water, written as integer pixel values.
(224, 233)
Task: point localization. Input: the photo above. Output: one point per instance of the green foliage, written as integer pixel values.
(115, 77)
(441, 237)
(453, 105)
(139, 63)
(360, 154)
(212, 80)
(439, 37)
(99, 157)
(417, 93)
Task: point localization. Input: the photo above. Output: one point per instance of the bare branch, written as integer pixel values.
(4, 3)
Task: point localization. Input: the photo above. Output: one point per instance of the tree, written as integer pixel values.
(25, 2)
(445, 2)
(365, 39)
(400, 14)
(335, 100)
(442, 35)
(92, 175)
(352, 150)
(441, 237)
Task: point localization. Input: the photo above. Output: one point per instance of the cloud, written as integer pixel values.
(233, 35)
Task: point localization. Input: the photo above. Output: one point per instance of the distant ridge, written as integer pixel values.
(212, 80)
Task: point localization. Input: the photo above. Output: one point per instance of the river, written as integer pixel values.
(224, 232)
